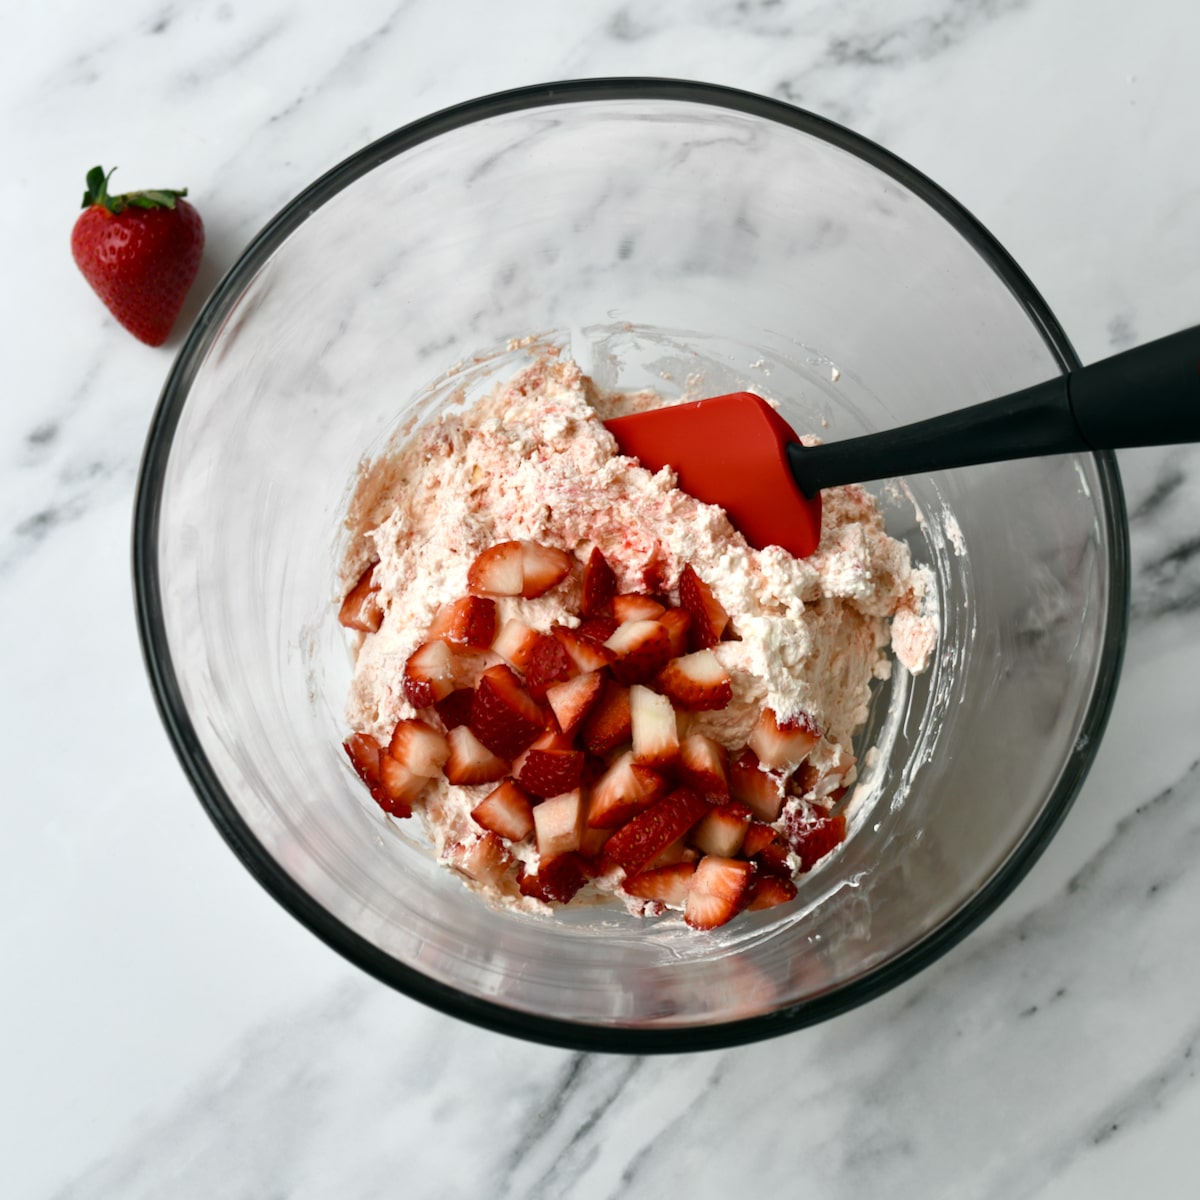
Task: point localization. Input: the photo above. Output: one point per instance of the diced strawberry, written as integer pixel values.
(470, 761)
(455, 709)
(676, 622)
(668, 885)
(623, 791)
(678, 851)
(704, 767)
(766, 891)
(709, 618)
(498, 571)
(515, 642)
(591, 846)
(655, 738)
(485, 858)
(470, 621)
(557, 878)
(757, 837)
(610, 723)
(360, 609)
(505, 811)
(573, 699)
(400, 787)
(586, 653)
(548, 663)
(599, 629)
(429, 674)
(722, 830)
(638, 841)
(543, 567)
(599, 586)
(716, 891)
(419, 747)
(761, 791)
(812, 836)
(558, 822)
(773, 859)
(632, 606)
(782, 746)
(641, 649)
(697, 682)
(504, 717)
(551, 772)
(364, 751)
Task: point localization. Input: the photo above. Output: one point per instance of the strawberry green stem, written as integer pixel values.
(97, 193)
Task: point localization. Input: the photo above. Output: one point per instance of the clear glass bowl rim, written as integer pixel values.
(223, 813)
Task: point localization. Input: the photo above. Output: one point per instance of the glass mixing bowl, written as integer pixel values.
(658, 230)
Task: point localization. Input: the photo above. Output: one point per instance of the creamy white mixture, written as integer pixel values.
(533, 460)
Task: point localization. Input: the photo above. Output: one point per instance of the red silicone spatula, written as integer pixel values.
(738, 452)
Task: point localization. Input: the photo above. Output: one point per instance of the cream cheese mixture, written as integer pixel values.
(533, 463)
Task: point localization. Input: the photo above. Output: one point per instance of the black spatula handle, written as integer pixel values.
(1147, 396)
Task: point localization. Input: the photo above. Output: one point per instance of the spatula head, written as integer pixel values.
(731, 451)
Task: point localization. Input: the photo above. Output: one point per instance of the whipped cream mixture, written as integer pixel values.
(533, 460)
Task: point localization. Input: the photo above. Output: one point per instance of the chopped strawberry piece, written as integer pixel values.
(760, 790)
(678, 851)
(773, 859)
(721, 831)
(360, 609)
(557, 879)
(400, 787)
(591, 846)
(716, 891)
(506, 811)
(766, 891)
(782, 745)
(573, 699)
(641, 649)
(364, 751)
(599, 629)
(704, 767)
(667, 885)
(558, 822)
(551, 772)
(758, 836)
(655, 736)
(515, 642)
(429, 674)
(504, 717)
(599, 586)
(419, 747)
(485, 858)
(623, 791)
(542, 567)
(636, 843)
(709, 618)
(611, 723)
(470, 621)
(585, 652)
(813, 836)
(455, 709)
(676, 622)
(498, 571)
(632, 606)
(548, 663)
(697, 682)
(470, 761)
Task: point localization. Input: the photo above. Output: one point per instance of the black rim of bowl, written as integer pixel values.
(358, 950)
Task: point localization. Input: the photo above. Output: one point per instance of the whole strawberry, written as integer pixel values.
(140, 252)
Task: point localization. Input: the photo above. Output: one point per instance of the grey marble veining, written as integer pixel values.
(168, 1031)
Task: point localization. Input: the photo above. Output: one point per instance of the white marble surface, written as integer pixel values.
(168, 1030)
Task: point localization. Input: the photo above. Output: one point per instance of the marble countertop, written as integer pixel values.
(168, 1030)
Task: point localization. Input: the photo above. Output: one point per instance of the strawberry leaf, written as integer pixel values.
(97, 194)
